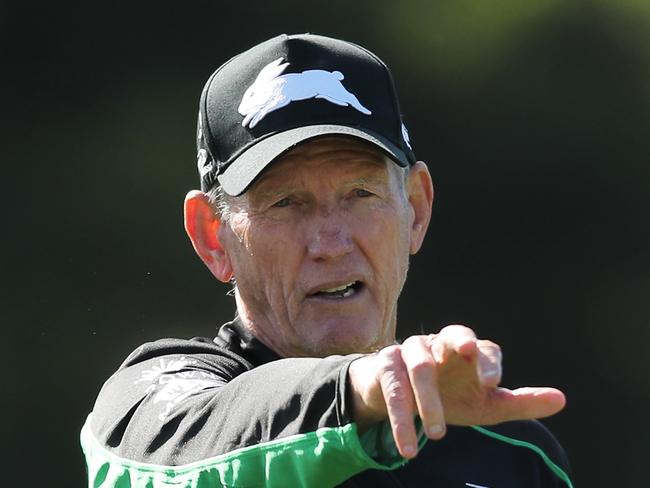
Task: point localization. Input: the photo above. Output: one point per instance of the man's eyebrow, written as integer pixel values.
(268, 190)
(271, 184)
(271, 192)
(368, 179)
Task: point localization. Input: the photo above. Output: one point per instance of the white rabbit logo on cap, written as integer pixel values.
(273, 90)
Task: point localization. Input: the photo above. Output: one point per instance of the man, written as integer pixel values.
(312, 202)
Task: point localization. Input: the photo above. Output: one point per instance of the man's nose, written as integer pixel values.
(328, 236)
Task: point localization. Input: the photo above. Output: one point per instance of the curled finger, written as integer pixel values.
(455, 339)
(422, 372)
(488, 365)
(400, 404)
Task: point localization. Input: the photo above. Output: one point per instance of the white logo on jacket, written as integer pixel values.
(171, 382)
(272, 90)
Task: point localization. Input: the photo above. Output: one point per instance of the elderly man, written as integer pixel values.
(312, 202)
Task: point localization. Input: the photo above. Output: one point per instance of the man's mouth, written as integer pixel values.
(343, 291)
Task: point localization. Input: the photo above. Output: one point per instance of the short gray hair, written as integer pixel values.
(221, 201)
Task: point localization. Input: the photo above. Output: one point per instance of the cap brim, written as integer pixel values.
(247, 166)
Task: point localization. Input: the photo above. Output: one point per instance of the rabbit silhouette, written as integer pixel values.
(272, 90)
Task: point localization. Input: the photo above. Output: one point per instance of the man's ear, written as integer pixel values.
(420, 195)
(202, 226)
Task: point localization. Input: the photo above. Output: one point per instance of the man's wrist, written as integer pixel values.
(368, 407)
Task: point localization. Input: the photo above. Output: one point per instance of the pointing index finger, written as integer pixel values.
(523, 403)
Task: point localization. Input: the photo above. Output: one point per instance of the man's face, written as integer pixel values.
(319, 247)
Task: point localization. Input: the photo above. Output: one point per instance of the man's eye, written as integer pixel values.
(363, 193)
(284, 202)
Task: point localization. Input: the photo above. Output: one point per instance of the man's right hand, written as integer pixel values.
(446, 378)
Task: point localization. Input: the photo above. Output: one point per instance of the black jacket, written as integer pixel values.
(230, 412)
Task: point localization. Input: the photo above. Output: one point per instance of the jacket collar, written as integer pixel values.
(236, 337)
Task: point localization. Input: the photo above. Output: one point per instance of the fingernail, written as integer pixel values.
(435, 430)
(409, 450)
(490, 373)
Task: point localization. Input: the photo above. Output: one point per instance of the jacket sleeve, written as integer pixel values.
(192, 419)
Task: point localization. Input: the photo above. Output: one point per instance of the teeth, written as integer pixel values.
(338, 288)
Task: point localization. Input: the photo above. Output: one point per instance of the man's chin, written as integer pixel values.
(343, 339)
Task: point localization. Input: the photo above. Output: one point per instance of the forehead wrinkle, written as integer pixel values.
(325, 154)
(285, 180)
(332, 144)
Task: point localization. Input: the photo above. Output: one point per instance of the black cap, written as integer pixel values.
(285, 91)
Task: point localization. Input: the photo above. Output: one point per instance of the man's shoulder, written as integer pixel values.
(156, 363)
(156, 379)
(156, 367)
(522, 432)
(524, 442)
(518, 453)
(532, 435)
(199, 347)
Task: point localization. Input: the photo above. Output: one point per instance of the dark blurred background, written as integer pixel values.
(534, 117)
